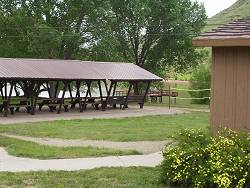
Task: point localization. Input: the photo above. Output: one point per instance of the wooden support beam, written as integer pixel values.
(35, 94)
(48, 90)
(5, 90)
(126, 99)
(106, 86)
(100, 90)
(70, 93)
(87, 93)
(104, 106)
(89, 88)
(78, 86)
(62, 99)
(114, 88)
(7, 103)
(16, 91)
(56, 89)
(145, 94)
(1, 90)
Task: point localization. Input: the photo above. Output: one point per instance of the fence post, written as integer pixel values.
(169, 96)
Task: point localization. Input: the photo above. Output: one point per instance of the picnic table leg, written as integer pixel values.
(62, 99)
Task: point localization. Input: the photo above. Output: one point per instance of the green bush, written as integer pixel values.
(200, 160)
(201, 79)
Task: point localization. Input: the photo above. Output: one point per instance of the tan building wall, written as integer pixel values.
(230, 104)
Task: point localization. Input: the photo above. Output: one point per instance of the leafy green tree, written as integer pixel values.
(153, 33)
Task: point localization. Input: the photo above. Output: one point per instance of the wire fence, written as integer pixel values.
(174, 93)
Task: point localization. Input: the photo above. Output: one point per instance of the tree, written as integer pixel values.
(153, 34)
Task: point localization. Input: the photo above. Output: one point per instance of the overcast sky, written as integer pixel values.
(215, 6)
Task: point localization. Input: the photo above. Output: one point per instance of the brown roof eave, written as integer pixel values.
(213, 41)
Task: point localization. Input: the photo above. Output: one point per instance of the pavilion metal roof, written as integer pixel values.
(235, 33)
(50, 69)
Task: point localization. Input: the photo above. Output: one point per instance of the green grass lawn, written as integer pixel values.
(127, 129)
(136, 177)
(32, 150)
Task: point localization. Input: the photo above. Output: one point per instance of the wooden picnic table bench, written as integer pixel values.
(52, 104)
(121, 100)
(16, 106)
(154, 95)
(94, 101)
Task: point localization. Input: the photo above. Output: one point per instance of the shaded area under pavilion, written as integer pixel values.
(23, 80)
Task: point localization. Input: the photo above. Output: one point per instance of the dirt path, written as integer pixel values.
(145, 147)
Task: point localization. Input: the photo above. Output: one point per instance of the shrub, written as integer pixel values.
(200, 79)
(200, 160)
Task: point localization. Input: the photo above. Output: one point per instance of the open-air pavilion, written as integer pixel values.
(23, 80)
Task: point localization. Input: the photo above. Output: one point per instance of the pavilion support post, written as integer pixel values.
(56, 89)
(1, 90)
(8, 98)
(126, 99)
(100, 90)
(16, 91)
(32, 96)
(104, 105)
(87, 93)
(35, 95)
(145, 94)
(89, 88)
(62, 99)
(106, 86)
(78, 95)
(48, 89)
(70, 93)
(5, 90)
(114, 90)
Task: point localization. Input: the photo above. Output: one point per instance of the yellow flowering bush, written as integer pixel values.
(203, 160)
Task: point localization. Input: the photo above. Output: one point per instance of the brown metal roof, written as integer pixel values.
(236, 33)
(49, 69)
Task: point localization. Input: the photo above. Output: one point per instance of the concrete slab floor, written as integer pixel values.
(132, 111)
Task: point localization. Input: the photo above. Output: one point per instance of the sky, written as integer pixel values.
(215, 6)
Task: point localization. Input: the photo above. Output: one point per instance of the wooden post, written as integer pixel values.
(100, 90)
(5, 90)
(78, 95)
(126, 99)
(7, 103)
(106, 86)
(87, 93)
(56, 90)
(48, 89)
(145, 94)
(35, 96)
(169, 96)
(89, 88)
(1, 87)
(70, 93)
(62, 99)
(108, 95)
(114, 88)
